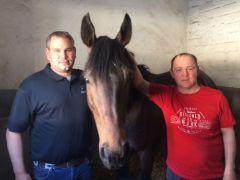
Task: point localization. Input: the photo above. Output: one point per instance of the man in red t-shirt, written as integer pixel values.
(200, 133)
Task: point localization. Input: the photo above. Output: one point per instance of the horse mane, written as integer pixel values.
(108, 55)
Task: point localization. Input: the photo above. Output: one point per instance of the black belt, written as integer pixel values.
(71, 163)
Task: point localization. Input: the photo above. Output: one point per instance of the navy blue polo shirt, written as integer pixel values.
(56, 111)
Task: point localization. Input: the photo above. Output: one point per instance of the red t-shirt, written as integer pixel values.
(194, 122)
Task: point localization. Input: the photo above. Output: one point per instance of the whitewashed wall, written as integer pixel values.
(214, 37)
(159, 31)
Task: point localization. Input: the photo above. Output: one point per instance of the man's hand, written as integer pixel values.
(22, 176)
(229, 175)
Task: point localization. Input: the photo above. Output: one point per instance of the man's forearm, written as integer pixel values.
(15, 150)
(229, 148)
(140, 83)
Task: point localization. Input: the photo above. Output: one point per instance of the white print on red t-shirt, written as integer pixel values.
(190, 120)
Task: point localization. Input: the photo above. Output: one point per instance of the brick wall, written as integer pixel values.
(213, 35)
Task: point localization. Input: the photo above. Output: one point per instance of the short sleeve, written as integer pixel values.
(226, 117)
(20, 115)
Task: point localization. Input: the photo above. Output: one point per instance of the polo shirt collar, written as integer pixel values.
(56, 77)
(75, 74)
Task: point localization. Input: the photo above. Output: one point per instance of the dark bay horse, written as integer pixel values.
(125, 118)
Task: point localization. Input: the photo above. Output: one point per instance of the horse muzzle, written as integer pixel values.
(112, 159)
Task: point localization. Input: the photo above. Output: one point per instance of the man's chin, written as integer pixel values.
(67, 69)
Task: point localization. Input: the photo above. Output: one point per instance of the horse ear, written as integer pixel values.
(125, 33)
(87, 31)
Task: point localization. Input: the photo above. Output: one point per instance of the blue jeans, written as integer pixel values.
(51, 172)
(170, 175)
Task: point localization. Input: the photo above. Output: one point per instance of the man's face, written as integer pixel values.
(185, 72)
(61, 55)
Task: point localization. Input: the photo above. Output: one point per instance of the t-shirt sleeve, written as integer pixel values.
(226, 117)
(20, 115)
(158, 93)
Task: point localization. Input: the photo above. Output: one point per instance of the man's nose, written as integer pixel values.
(62, 54)
(185, 72)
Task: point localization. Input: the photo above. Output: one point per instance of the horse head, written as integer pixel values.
(109, 72)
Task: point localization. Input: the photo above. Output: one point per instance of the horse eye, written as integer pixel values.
(130, 78)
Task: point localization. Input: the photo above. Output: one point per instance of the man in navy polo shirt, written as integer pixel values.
(52, 103)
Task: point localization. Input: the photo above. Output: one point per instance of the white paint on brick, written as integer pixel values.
(213, 35)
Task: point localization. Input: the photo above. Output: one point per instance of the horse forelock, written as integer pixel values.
(108, 56)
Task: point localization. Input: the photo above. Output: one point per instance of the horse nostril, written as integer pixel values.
(102, 152)
(114, 159)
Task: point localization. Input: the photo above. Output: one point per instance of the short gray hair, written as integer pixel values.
(63, 34)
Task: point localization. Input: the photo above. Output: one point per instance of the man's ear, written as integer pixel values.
(75, 50)
(47, 53)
